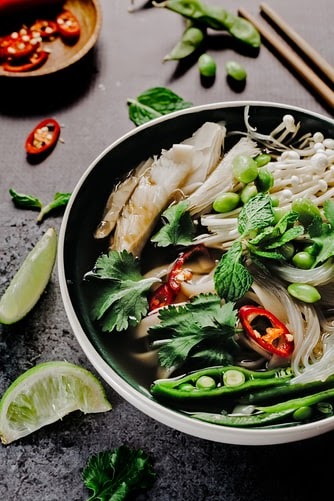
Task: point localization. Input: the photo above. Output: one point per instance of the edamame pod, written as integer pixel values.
(191, 40)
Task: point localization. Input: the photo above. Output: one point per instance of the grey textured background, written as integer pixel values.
(90, 102)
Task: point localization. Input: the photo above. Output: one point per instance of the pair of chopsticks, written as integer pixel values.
(292, 58)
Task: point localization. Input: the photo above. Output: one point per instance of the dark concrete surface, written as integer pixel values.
(90, 102)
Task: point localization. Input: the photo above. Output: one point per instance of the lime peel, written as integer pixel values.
(46, 393)
(30, 281)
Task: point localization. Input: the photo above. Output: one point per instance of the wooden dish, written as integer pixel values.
(62, 55)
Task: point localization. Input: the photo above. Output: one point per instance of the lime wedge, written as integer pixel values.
(45, 394)
(30, 280)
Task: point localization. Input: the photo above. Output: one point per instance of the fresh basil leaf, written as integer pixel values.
(25, 201)
(153, 103)
(59, 200)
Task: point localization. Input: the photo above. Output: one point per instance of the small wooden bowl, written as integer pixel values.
(62, 55)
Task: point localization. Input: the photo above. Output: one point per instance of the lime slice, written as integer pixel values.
(45, 394)
(30, 280)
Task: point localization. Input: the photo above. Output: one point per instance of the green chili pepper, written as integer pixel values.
(191, 40)
(214, 17)
(178, 389)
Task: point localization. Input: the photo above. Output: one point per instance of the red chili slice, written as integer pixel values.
(43, 137)
(267, 330)
(34, 61)
(5, 42)
(46, 28)
(68, 25)
(20, 48)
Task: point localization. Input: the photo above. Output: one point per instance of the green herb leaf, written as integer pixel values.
(191, 329)
(179, 230)
(30, 202)
(122, 295)
(232, 279)
(256, 214)
(59, 200)
(154, 103)
(25, 201)
(114, 475)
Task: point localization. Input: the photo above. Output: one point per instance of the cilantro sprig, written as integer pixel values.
(121, 300)
(118, 473)
(202, 327)
(178, 228)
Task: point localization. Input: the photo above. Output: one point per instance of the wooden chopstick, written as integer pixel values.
(316, 58)
(290, 57)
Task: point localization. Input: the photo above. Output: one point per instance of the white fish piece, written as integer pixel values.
(209, 143)
(157, 186)
(221, 179)
(151, 196)
(118, 198)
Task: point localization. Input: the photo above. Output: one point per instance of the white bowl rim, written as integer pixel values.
(162, 414)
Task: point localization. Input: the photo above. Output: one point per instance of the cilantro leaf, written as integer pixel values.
(190, 329)
(113, 475)
(256, 214)
(122, 294)
(153, 103)
(179, 229)
(325, 237)
(232, 279)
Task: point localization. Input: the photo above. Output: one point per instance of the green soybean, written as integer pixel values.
(214, 17)
(205, 383)
(244, 168)
(236, 71)
(304, 292)
(191, 40)
(262, 159)
(207, 65)
(248, 192)
(226, 202)
(303, 260)
(303, 413)
(265, 180)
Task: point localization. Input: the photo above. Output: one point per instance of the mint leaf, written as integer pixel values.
(256, 214)
(329, 212)
(153, 103)
(122, 293)
(179, 229)
(115, 474)
(232, 279)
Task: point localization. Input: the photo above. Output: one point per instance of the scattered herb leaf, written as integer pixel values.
(30, 202)
(154, 103)
(114, 475)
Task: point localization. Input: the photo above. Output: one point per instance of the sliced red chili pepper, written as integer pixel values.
(267, 330)
(43, 137)
(33, 62)
(166, 293)
(5, 42)
(68, 25)
(21, 48)
(46, 28)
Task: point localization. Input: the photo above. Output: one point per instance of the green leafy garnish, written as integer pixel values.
(154, 103)
(202, 325)
(114, 475)
(31, 202)
(179, 228)
(325, 237)
(122, 294)
(260, 237)
(232, 279)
